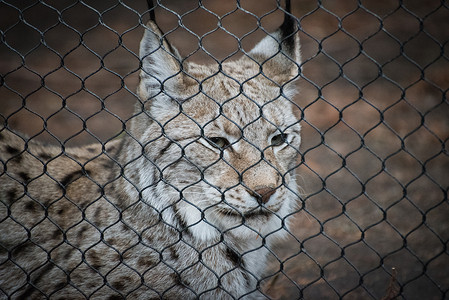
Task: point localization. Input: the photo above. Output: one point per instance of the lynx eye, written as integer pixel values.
(218, 142)
(278, 140)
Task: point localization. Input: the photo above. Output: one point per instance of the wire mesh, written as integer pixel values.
(373, 220)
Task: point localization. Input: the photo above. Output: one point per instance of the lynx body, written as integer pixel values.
(186, 204)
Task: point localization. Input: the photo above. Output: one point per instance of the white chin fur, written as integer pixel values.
(209, 226)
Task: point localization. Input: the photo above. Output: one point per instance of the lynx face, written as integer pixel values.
(219, 145)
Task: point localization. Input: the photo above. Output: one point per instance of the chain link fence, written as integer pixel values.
(374, 165)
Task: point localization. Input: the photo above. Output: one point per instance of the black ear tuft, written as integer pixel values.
(151, 9)
(279, 53)
(288, 27)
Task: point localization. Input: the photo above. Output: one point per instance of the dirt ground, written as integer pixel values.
(374, 164)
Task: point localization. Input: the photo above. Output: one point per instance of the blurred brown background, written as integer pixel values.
(373, 103)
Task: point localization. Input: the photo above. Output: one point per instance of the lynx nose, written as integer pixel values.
(263, 194)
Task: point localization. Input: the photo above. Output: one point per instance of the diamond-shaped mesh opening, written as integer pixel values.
(370, 218)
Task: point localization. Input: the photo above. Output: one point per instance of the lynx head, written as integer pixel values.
(216, 147)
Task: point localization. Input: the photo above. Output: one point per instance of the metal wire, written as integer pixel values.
(373, 220)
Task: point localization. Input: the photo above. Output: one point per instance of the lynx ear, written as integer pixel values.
(161, 64)
(279, 52)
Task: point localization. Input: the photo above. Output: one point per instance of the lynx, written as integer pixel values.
(188, 203)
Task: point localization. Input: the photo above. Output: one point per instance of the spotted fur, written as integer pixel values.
(186, 205)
